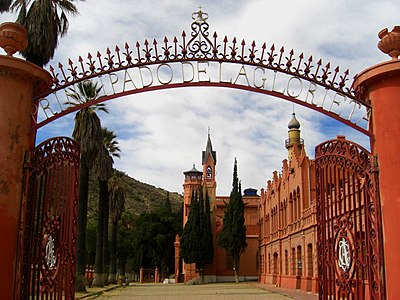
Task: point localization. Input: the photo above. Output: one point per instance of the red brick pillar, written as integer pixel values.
(19, 81)
(156, 276)
(177, 245)
(141, 275)
(381, 84)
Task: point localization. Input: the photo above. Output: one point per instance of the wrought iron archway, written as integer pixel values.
(306, 81)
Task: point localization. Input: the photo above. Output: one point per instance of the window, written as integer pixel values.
(286, 262)
(310, 260)
(299, 261)
(293, 261)
(275, 264)
(208, 172)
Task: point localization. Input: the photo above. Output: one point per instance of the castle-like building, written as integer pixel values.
(287, 220)
(222, 267)
(280, 224)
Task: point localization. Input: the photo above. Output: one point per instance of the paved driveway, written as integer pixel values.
(217, 291)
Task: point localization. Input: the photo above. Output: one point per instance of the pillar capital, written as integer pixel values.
(368, 78)
(22, 70)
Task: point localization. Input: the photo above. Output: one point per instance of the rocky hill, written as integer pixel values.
(140, 197)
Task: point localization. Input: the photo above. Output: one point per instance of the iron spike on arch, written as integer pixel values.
(200, 45)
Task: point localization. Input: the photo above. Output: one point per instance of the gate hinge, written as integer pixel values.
(374, 163)
(28, 160)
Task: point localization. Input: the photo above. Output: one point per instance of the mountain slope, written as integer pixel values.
(140, 197)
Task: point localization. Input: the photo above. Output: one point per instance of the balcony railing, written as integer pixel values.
(289, 142)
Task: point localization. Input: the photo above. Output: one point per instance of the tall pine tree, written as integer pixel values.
(196, 241)
(233, 234)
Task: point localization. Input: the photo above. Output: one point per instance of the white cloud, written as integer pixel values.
(161, 134)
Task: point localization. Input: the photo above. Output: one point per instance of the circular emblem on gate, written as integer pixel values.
(50, 257)
(344, 259)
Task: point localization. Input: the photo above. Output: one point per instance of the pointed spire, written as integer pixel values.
(209, 150)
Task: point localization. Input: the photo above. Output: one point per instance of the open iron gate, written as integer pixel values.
(48, 228)
(350, 249)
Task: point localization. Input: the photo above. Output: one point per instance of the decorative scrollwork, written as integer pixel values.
(49, 220)
(348, 212)
(204, 46)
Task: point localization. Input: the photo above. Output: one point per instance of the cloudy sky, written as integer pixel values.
(161, 134)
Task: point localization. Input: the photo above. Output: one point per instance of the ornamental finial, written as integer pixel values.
(199, 17)
(12, 37)
(390, 42)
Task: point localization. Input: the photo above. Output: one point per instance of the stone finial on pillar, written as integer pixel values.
(13, 37)
(390, 42)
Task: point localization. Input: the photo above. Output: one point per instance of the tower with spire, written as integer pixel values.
(294, 139)
(195, 180)
(209, 161)
(221, 267)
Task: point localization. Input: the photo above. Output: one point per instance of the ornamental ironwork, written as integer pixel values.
(47, 244)
(50, 255)
(202, 58)
(350, 246)
(344, 259)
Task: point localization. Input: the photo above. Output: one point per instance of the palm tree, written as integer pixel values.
(5, 5)
(117, 202)
(87, 132)
(103, 171)
(45, 21)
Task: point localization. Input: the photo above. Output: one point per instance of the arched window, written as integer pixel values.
(275, 264)
(286, 262)
(293, 259)
(299, 262)
(269, 263)
(208, 172)
(309, 260)
(291, 211)
(298, 203)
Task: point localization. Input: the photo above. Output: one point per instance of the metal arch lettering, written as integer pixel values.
(189, 63)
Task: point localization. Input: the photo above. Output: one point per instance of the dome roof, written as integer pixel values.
(294, 123)
(193, 170)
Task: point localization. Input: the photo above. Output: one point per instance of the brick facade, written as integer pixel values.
(287, 222)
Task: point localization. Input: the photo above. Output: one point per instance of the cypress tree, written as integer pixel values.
(208, 233)
(190, 235)
(233, 234)
(206, 248)
(197, 242)
(167, 203)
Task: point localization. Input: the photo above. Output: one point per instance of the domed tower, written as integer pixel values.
(209, 160)
(294, 139)
(193, 181)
